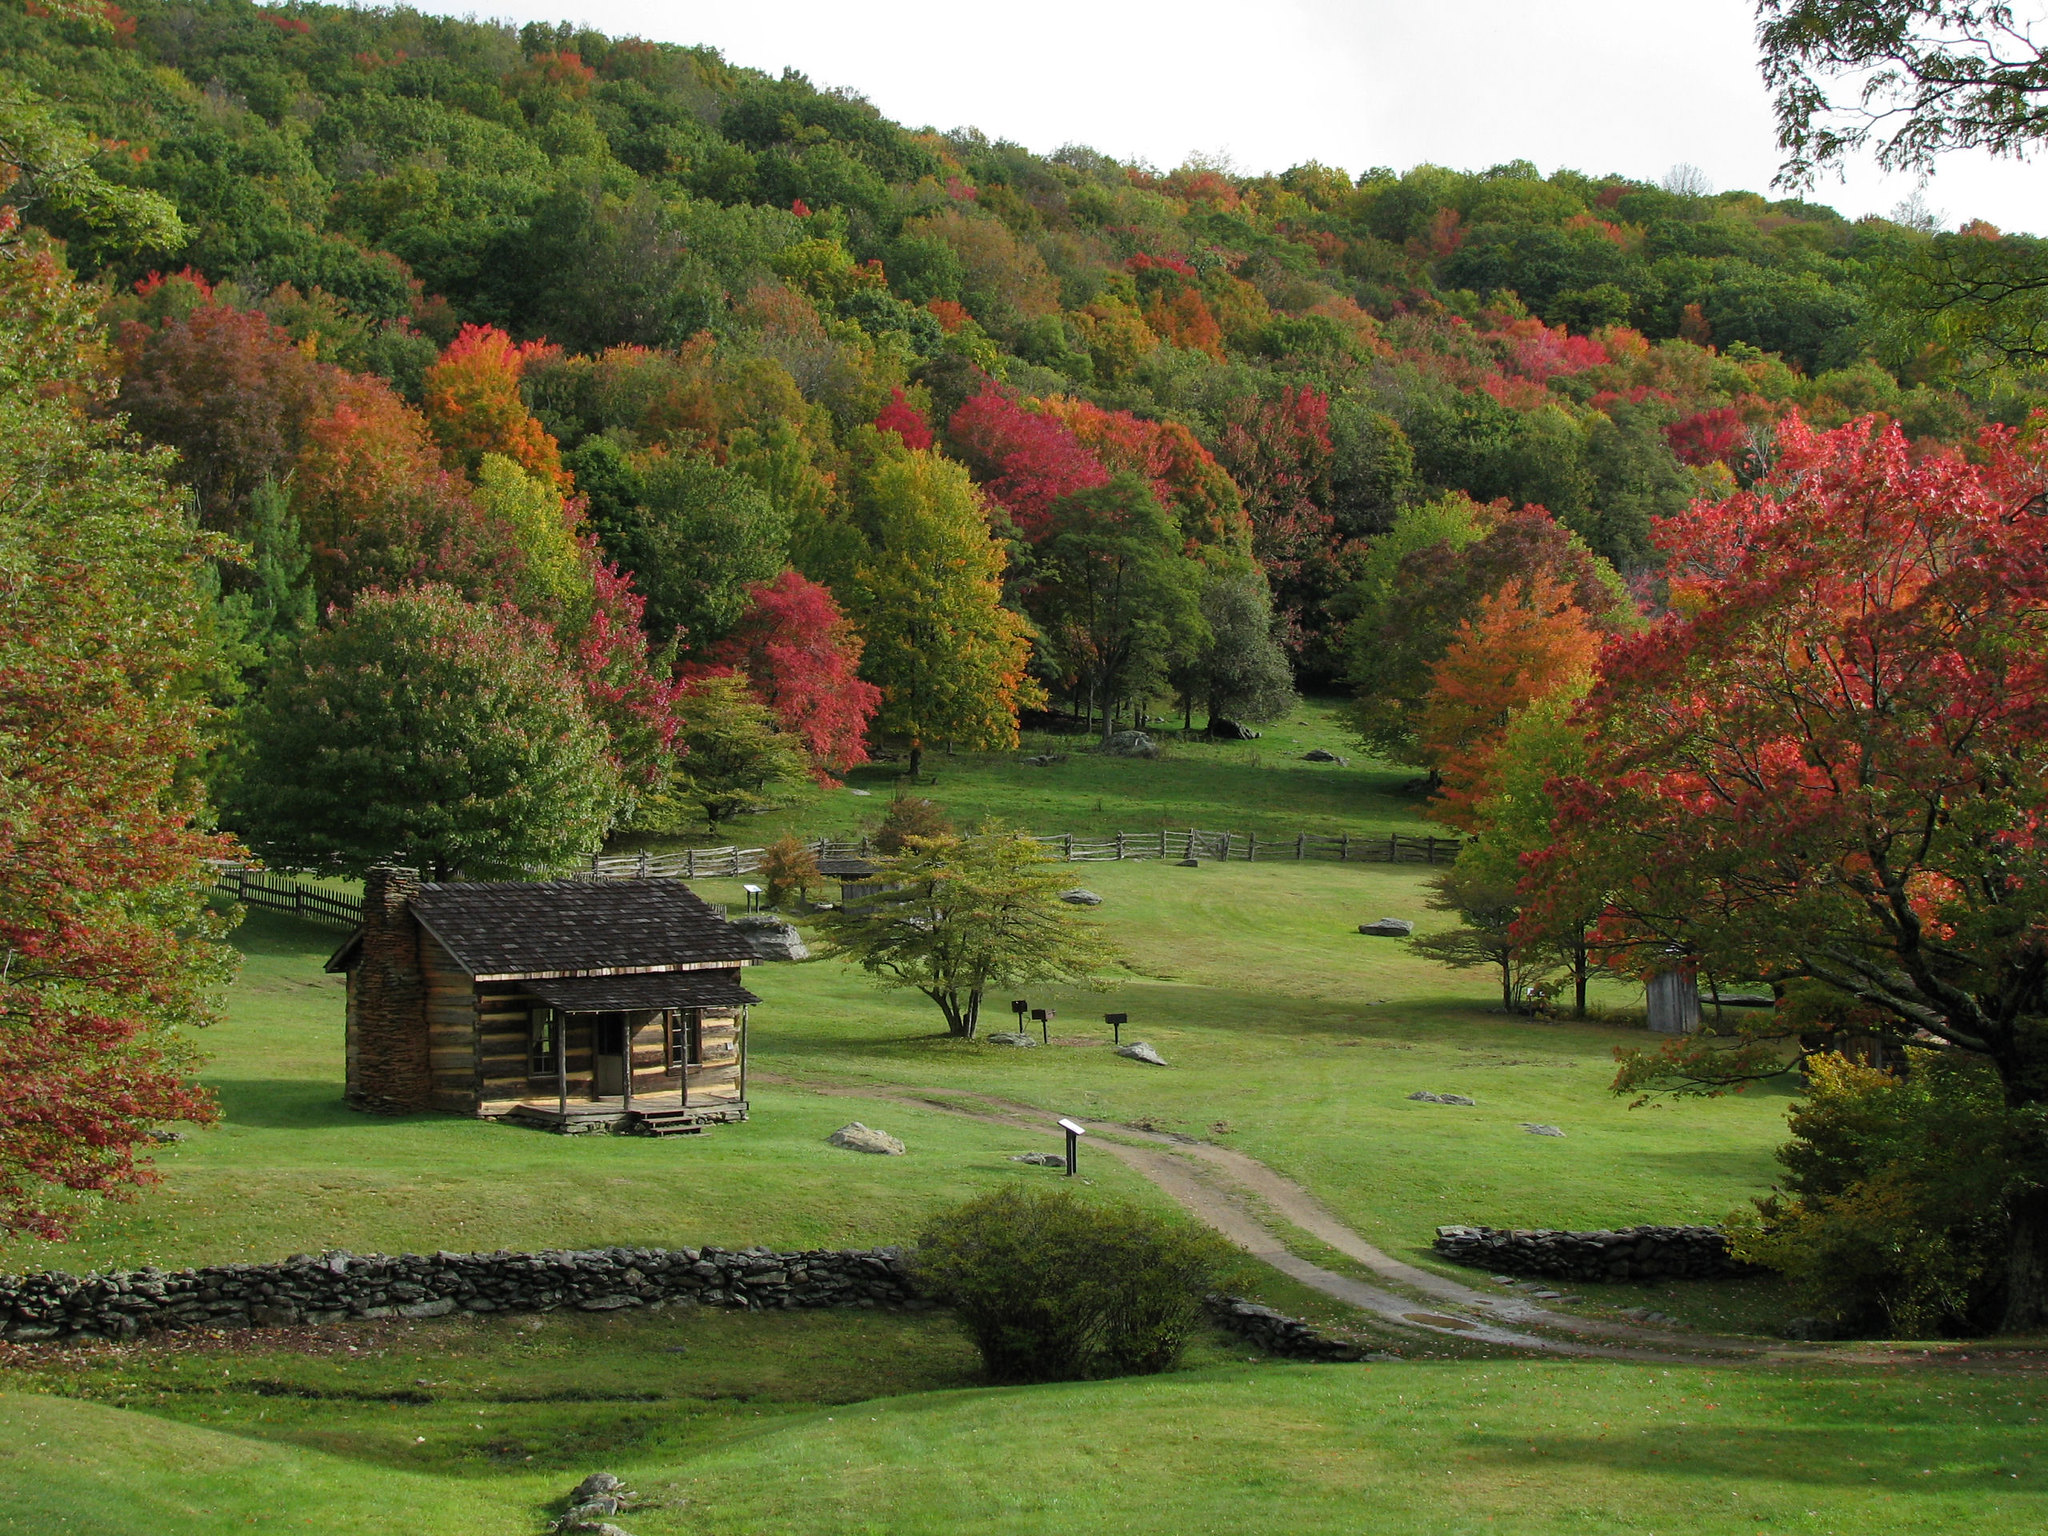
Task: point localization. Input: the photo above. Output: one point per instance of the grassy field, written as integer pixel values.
(1289, 1035)
(749, 1425)
(1238, 786)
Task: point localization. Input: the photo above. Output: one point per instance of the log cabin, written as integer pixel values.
(572, 1005)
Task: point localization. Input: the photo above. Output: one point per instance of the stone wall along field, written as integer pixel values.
(343, 1287)
(1633, 1253)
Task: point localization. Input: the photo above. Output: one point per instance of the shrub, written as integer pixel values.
(1894, 1216)
(910, 816)
(789, 865)
(1054, 1288)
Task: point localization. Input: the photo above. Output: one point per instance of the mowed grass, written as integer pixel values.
(1261, 787)
(1440, 1447)
(1293, 1037)
(1289, 1035)
(292, 1169)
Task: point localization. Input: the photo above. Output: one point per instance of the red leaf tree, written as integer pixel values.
(1025, 459)
(108, 946)
(1830, 762)
(802, 656)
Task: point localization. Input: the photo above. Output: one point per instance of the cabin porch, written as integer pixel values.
(647, 1114)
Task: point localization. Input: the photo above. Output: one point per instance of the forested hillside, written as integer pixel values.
(713, 375)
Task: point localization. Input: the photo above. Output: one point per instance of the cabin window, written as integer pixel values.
(543, 1042)
(686, 1037)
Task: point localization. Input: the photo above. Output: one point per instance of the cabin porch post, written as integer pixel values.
(743, 1053)
(562, 1060)
(627, 1030)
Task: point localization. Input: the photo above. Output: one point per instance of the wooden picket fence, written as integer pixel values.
(1069, 847)
(275, 892)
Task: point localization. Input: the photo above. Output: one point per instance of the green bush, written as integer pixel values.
(1894, 1215)
(910, 816)
(1054, 1288)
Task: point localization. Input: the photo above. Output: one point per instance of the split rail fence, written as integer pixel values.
(275, 892)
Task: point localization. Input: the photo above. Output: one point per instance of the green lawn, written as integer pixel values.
(1238, 786)
(757, 1425)
(1289, 1035)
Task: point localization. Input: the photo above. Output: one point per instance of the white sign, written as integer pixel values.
(1072, 1129)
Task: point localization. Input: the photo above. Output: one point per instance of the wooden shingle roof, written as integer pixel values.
(512, 928)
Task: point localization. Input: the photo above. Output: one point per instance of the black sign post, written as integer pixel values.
(1074, 1135)
(1116, 1023)
(1043, 1017)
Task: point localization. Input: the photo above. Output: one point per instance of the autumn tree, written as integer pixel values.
(1828, 761)
(1526, 642)
(1429, 575)
(802, 656)
(927, 594)
(112, 956)
(379, 510)
(959, 916)
(1026, 460)
(471, 399)
(427, 729)
(230, 391)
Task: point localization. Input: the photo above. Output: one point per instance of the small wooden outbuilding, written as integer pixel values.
(570, 1004)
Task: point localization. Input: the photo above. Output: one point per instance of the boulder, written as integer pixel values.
(1324, 755)
(1423, 1096)
(1388, 928)
(1078, 897)
(1040, 1159)
(1047, 759)
(1138, 1050)
(1131, 744)
(1187, 864)
(770, 937)
(860, 1138)
(1009, 1037)
(1541, 1130)
(1230, 730)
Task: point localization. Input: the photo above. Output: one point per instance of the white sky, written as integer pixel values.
(1632, 86)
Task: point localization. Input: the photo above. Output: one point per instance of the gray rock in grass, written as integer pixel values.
(1541, 1130)
(861, 1138)
(770, 937)
(1010, 1037)
(1423, 1096)
(1131, 744)
(1387, 928)
(1078, 897)
(1138, 1050)
(1040, 1159)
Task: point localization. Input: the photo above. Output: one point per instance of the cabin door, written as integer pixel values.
(610, 1042)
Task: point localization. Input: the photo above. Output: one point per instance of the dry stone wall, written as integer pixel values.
(342, 1287)
(1633, 1253)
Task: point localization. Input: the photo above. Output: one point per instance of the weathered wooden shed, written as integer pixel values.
(570, 1004)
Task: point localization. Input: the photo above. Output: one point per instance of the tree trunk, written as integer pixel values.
(1579, 970)
(973, 1013)
(1507, 985)
(2026, 1266)
(916, 759)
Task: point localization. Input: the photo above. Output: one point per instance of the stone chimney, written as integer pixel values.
(389, 1070)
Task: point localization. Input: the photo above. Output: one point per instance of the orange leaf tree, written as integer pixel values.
(472, 401)
(1526, 642)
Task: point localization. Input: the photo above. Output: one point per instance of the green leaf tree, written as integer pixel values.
(735, 758)
(927, 595)
(424, 728)
(1114, 595)
(958, 916)
(698, 537)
